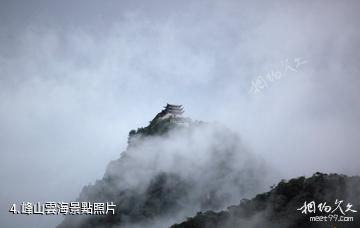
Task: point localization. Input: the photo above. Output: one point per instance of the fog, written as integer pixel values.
(76, 77)
(163, 179)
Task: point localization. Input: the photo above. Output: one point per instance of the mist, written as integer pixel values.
(162, 179)
(76, 77)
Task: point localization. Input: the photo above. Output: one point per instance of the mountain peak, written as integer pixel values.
(167, 119)
(170, 111)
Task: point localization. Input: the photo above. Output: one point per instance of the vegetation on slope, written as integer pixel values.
(279, 207)
(171, 169)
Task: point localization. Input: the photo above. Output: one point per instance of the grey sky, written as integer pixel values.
(75, 77)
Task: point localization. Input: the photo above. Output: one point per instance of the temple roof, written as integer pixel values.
(172, 106)
(170, 110)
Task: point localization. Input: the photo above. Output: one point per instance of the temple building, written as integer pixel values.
(170, 111)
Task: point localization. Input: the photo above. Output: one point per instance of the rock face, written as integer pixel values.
(171, 169)
(278, 207)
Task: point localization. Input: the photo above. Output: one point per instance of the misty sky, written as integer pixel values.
(77, 76)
